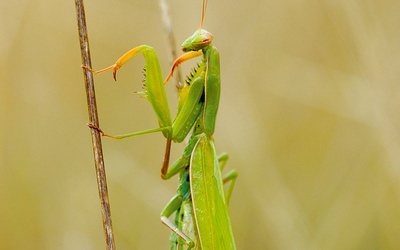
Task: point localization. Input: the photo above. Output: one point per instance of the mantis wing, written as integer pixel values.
(210, 208)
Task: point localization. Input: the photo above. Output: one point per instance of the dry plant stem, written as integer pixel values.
(170, 36)
(93, 120)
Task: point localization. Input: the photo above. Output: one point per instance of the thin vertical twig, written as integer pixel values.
(170, 37)
(93, 120)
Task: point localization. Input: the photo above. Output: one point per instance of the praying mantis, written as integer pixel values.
(202, 218)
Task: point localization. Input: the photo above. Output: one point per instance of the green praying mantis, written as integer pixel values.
(202, 218)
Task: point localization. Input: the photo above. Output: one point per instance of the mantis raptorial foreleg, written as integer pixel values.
(189, 108)
(155, 91)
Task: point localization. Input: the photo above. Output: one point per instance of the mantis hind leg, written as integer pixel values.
(229, 177)
(184, 228)
(175, 204)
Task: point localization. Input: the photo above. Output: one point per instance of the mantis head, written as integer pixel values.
(199, 40)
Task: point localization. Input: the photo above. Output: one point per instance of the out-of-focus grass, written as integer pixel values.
(309, 116)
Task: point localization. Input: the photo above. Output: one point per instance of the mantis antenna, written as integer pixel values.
(203, 13)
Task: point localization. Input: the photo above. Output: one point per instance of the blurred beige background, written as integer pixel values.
(309, 115)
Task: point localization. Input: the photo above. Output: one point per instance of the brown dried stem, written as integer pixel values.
(94, 121)
(171, 38)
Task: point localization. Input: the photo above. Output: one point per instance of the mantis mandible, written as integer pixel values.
(201, 203)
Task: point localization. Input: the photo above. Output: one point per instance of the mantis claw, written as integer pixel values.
(115, 68)
(91, 125)
(180, 60)
(87, 68)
